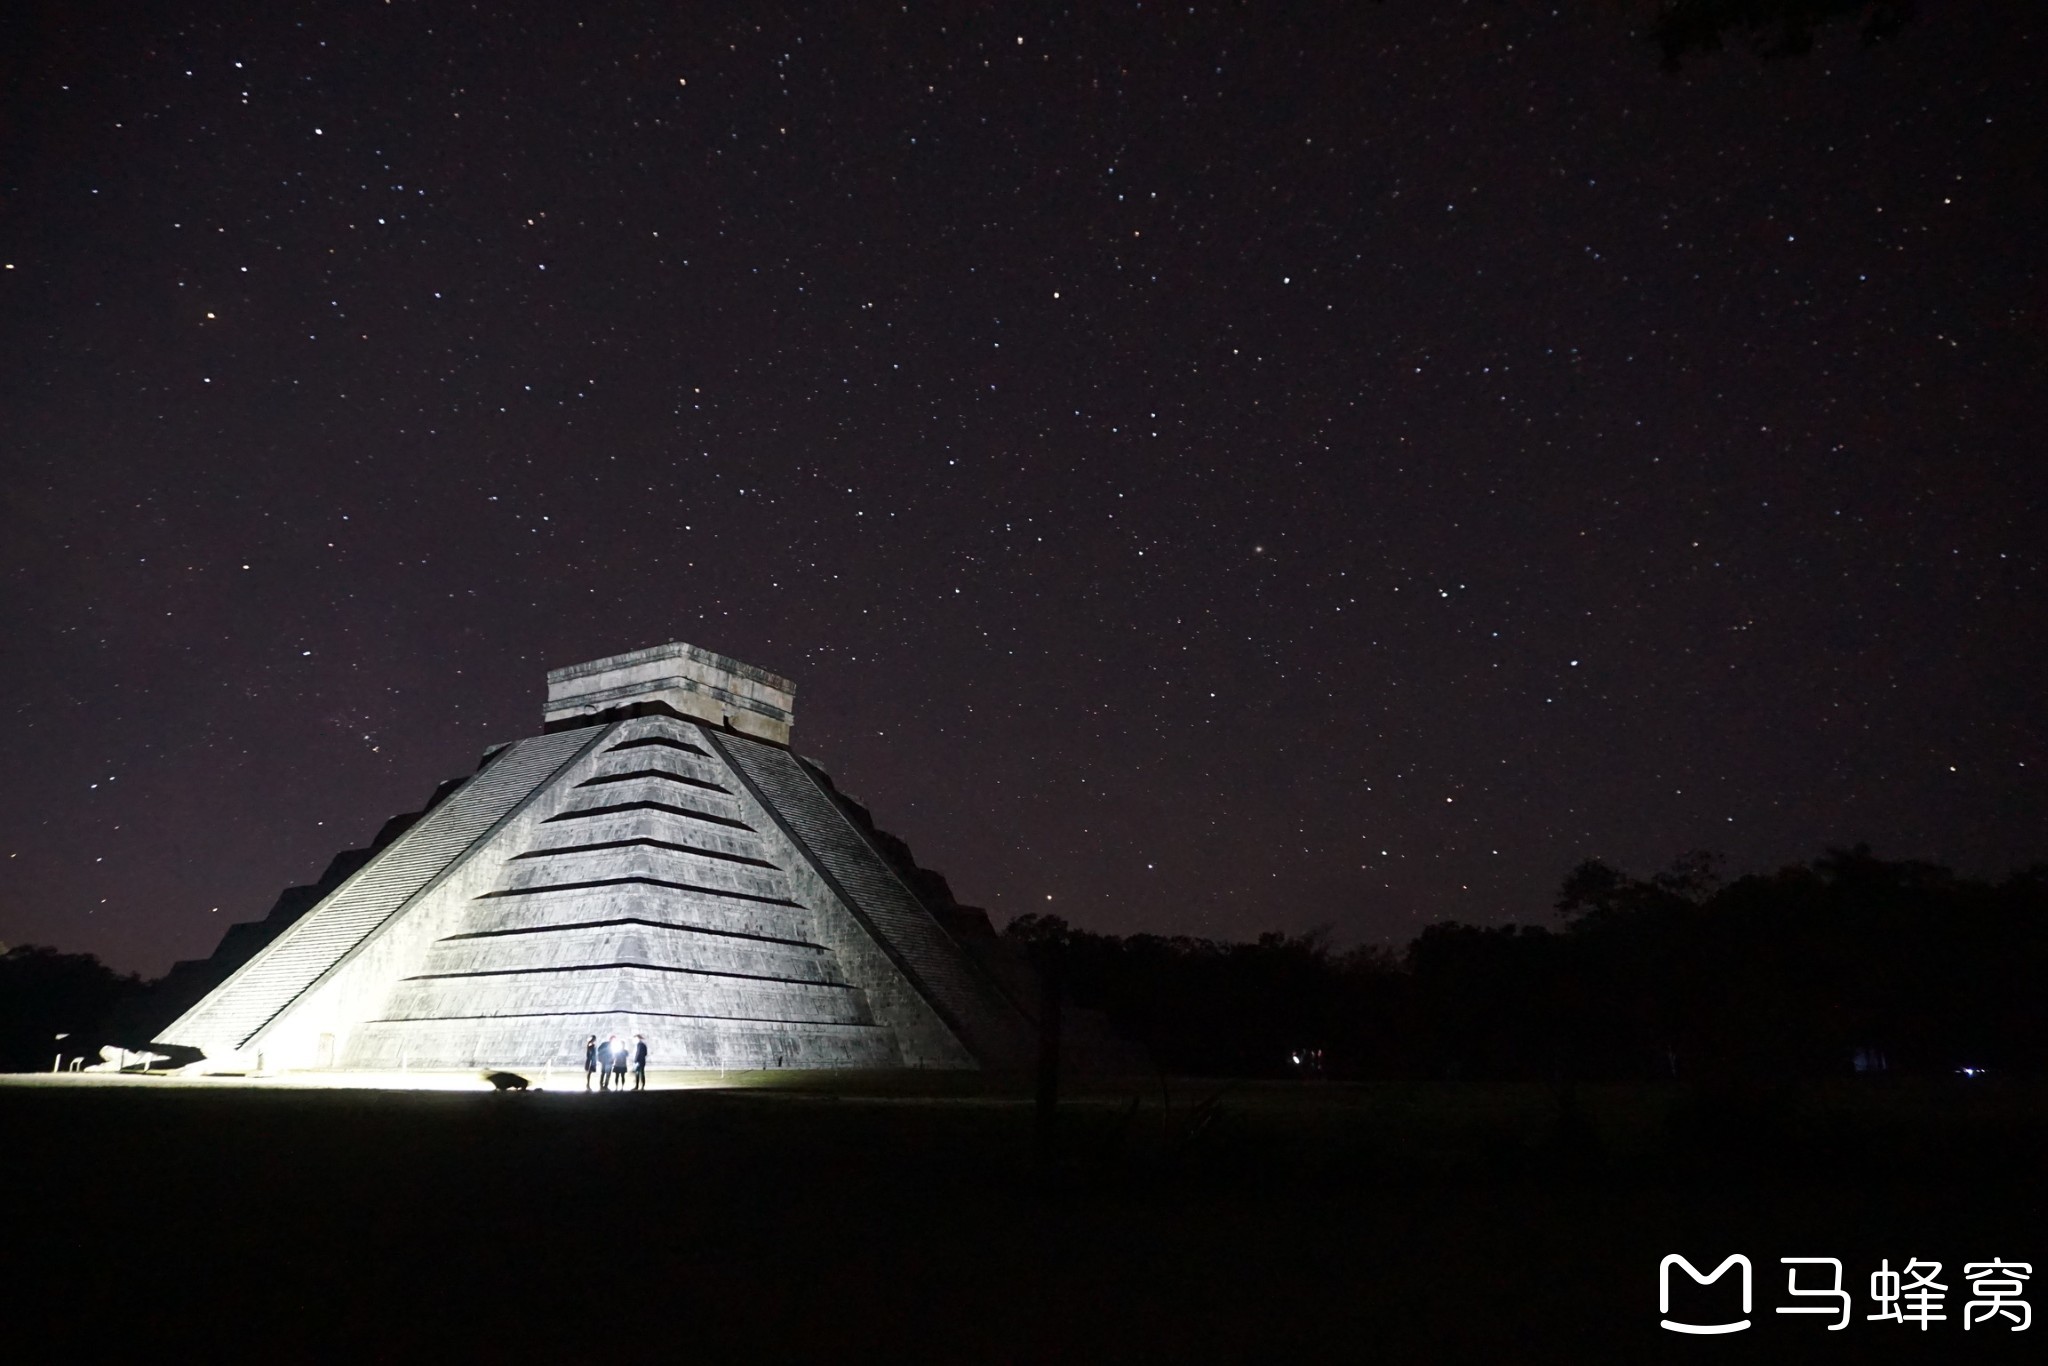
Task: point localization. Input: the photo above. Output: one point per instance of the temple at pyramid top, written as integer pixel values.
(683, 679)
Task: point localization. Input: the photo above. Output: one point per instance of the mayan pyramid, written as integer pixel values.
(657, 861)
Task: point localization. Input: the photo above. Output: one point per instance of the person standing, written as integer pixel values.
(604, 1064)
(589, 1060)
(639, 1062)
(618, 1062)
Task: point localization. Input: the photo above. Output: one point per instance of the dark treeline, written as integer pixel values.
(1770, 28)
(1849, 963)
(1807, 972)
(44, 993)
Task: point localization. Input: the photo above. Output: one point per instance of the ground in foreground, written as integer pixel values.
(815, 1218)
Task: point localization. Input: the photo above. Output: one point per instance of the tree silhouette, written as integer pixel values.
(1767, 979)
(43, 993)
(1771, 28)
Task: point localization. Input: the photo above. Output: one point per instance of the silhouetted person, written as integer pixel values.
(589, 1060)
(604, 1066)
(618, 1062)
(639, 1062)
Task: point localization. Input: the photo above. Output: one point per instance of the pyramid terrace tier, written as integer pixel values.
(556, 1041)
(640, 900)
(620, 986)
(652, 790)
(651, 943)
(645, 859)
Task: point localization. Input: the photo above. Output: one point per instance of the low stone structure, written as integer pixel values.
(656, 862)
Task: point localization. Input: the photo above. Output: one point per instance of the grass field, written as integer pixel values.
(831, 1218)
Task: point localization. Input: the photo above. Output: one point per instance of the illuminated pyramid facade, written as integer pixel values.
(657, 862)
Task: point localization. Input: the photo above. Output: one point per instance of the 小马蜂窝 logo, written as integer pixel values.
(1914, 1294)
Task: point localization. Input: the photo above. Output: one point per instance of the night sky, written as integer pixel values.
(1207, 470)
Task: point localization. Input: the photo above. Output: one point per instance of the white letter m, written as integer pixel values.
(1664, 1292)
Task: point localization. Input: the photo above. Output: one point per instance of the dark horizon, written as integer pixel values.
(1205, 474)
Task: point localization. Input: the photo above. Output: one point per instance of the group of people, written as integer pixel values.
(608, 1060)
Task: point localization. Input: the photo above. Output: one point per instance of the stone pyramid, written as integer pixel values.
(658, 861)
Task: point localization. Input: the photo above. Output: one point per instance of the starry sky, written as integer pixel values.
(1208, 469)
